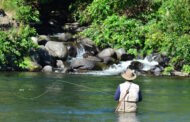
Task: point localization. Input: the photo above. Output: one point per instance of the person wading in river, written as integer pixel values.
(128, 93)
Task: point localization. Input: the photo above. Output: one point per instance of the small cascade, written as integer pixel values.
(80, 51)
(116, 69)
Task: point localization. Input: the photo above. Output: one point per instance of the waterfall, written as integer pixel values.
(80, 51)
(116, 69)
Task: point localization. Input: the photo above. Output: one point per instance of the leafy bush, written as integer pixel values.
(15, 45)
(168, 70)
(186, 69)
(99, 10)
(116, 32)
(170, 32)
(25, 13)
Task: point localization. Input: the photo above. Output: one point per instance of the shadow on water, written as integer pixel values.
(90, 100)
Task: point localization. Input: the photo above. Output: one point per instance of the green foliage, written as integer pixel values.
(168, 70)
(98, 10)
(116, 32)
(25, 13)
(186, 69)
(14, 46)
(170, 31)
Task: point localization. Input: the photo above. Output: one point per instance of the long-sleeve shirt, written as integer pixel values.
(117, 94)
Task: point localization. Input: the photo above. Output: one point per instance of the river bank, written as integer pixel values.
(67, 52)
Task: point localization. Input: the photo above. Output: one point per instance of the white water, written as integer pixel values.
(116, 69)
(80, 51)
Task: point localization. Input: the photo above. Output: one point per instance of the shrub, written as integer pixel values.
(168, 70)
(186, 69)
(116, 32)
(16, 45)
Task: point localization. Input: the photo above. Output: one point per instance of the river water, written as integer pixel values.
(39, 97)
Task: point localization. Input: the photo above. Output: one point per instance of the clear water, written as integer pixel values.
(165, 99)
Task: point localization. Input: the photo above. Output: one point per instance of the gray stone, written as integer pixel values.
(93, 58)
(56, 49)
(120, 52)
(44, 57)
(80, 29)
(59, 64)
(108, 52)
(47, 68)
(64, 37)
(83, 64)
(35, 40)
(177, 73)
(87, 42)
(108, 60)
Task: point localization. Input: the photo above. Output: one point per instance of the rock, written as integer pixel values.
(87, 42)
(108, 52)
(56, 49)
(2, 13)
(59, 64)
(71, 26)
(177, 73)
(64, 37)
(43, 40)
(47, 68)
(35, 40)
(108, 60)
(161, 59)
(93, 58)
(120, 52)
(80, 29)
(157, 71)
(136, 65)
(100, 66)
(35, 67)
(127, 57)
(44, 57)
(83, 64)
(72, 50)
(5, 22)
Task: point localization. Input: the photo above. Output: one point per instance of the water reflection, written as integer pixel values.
(127, 117)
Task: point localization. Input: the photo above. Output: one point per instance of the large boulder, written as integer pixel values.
(43, 57)
(47, 68)
(83, 64)
(56, 49)
(94, 58)
(108, 52)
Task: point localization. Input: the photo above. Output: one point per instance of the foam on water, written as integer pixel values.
(116, 69)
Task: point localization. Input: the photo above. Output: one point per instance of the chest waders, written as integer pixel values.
(123, 99)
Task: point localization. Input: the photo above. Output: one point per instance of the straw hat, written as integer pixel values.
(129, 75)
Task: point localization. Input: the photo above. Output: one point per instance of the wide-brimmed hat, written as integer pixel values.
(129, 75)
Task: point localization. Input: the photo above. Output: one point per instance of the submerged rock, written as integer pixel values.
(82, 64)
(56, 49)
(136, 65)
